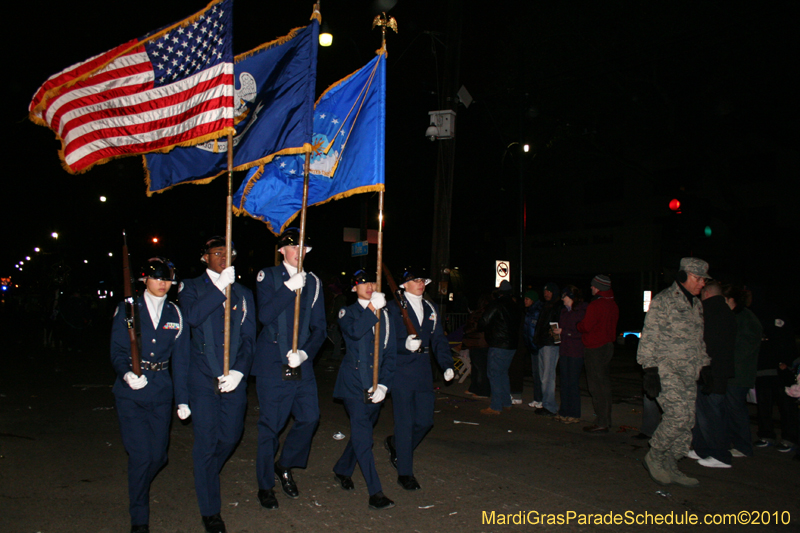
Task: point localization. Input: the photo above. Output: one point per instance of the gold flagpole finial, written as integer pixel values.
(384, 22)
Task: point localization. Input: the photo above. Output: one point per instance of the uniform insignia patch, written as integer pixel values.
(341, 312)
(180, 287)
(172, 325)
(260, 276)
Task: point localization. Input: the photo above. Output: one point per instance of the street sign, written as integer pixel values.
(359, 248)
(502, 271)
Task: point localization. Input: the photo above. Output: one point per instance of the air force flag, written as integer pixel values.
(347, 157)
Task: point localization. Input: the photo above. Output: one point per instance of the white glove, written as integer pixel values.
(296, 282)
(449, 374)
(135, 382)
(226, 277)
(231, 381)
(378, 300)
(413, 343)
(296, 358)
(379, 395)
(183, 411)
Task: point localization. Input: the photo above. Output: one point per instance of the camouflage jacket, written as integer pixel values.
(672, 337)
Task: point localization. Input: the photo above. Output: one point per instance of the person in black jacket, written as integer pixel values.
(709, 439)
(548, 348)
(500, 324)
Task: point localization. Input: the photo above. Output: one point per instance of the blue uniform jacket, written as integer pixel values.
(413, 370)
(167, 342)
(201, 301)
(355, 372)
(276, 304)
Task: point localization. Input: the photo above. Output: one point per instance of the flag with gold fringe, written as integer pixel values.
(274, 106)
(171, 87)
(347, 158)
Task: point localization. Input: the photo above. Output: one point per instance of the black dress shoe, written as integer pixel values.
(408, 482)
(345, 481)
(388, 443)
(379, 502)
(143, 528)
(267, 499)
(288, 485)
(214, 524)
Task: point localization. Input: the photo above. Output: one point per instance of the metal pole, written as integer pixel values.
(378, 279)
(302, 250)
(228, 259)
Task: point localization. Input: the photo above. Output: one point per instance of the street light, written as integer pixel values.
(102, 198)
(325, 37)
(54, 235)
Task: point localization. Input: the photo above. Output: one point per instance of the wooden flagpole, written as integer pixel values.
(228, 259)
(301, 250)
(377, 350)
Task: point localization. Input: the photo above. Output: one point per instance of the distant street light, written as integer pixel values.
(54, 235)
(155, 240)
(325, 37)
(37, 249)
(110, 254)
(27, 258)
(102, 198)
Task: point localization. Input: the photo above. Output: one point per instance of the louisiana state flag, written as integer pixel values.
(274, 104)
(347, 155)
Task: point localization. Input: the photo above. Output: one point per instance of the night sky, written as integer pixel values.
(626, 105)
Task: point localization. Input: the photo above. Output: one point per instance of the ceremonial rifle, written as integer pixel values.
(402, 302)
(130, 307)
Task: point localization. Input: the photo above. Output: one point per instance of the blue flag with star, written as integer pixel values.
(347, 158)
(273, 109)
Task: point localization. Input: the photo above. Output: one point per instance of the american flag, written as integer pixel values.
(172, 87)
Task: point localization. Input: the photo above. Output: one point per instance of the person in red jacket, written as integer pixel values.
(599, 329)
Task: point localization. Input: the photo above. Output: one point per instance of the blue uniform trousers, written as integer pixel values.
(145, 435)
(218, 420)
(363, 417)
(413, 418)
(277, 401)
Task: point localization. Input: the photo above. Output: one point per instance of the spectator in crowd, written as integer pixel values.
(475, 341)
(599, 329)
(570, 354)
(533, 306)
(500, 323)
(548, 348)
(745, 359)
(709, 442)
(775, 359)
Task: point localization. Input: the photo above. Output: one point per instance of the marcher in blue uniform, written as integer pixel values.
(412, 394)
(144, 403)
(285, 379)
(216, 402)
(355, 377)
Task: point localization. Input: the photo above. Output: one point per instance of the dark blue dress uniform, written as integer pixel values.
(145, 414)
(218, 419)
(355, 376)
(412, 395)
(279, 399)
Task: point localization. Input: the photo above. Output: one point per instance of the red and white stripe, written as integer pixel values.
(117, 111)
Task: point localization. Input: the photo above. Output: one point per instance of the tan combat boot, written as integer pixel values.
(654, 464)
(678, 477)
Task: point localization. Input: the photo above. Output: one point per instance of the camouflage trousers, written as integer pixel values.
(677, 399)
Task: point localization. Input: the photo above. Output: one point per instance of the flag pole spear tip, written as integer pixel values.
(384, 22)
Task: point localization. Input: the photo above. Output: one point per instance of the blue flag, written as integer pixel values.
(347, 157)
(273, 107)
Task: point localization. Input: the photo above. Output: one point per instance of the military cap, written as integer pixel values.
(695, 266)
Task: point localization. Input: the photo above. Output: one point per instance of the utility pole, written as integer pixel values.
(443, 185)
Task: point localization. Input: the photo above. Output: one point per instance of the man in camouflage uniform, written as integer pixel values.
(672, 352)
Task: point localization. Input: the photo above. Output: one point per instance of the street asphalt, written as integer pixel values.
(63, 468)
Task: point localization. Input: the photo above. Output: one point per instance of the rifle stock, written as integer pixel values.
(402, 303)
(130, 307)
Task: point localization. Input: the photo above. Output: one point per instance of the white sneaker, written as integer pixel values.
(693, 455)
(516, 401)
(737, 453)
(710, 462)
(535, 405)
